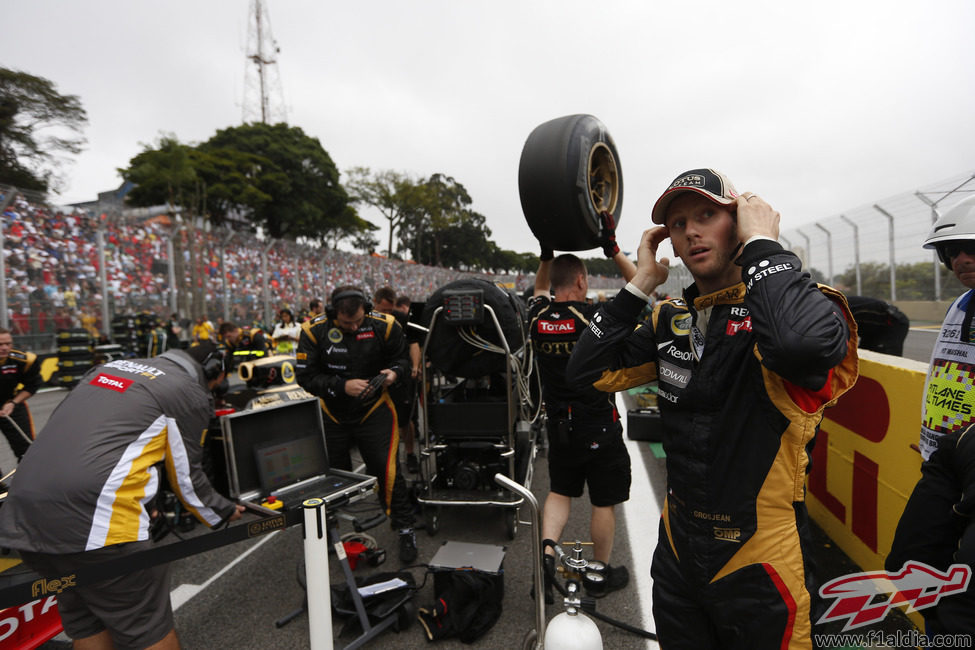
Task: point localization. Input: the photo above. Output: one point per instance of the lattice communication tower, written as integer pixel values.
(263, 93)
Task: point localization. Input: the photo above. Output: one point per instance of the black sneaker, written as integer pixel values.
(407, 546)
(547, 571)
(412, 464)
(617, 577)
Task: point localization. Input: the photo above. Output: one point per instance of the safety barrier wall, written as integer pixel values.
(866, 461)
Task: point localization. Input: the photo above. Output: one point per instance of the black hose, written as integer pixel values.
(589, 605)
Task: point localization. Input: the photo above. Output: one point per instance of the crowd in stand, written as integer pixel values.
(52, 270)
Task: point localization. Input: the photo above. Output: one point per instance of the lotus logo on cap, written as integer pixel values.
(690, 180)
(707, 182)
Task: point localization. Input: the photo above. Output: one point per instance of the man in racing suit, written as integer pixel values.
(243, 344)
(83, 491)
(20, 377)
(745, 362)
(338, 354)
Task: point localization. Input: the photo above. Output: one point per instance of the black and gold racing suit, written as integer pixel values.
(19, 369)
(326, 358)
(743, 377)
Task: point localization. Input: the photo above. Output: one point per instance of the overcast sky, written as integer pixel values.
(819, 107)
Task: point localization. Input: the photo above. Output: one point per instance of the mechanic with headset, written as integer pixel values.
(82, 492)
(746, 363)
(937, 526)
(349, 357)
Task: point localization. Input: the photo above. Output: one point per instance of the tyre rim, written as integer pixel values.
(604, 187)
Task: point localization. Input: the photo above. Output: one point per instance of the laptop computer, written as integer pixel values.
(280, 451)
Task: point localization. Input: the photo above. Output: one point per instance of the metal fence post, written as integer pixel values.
(807, 262)
(893, 261)
(829, 250)
(267, 282)
(4, 320)
(102, 277)
(856, 251)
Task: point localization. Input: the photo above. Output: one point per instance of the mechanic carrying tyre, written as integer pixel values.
(570, 173)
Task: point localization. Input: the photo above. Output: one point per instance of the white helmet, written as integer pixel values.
(957, 223)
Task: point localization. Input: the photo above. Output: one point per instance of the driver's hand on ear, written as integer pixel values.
(756, 218)
(651, 272)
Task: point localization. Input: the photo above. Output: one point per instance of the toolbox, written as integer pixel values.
(644, 424)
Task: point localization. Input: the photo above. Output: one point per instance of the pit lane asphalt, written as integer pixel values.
(231, 597)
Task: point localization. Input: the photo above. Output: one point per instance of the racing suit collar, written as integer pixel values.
(733, 295)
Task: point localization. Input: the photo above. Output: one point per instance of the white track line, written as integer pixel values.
(642, 515)
(183, 593)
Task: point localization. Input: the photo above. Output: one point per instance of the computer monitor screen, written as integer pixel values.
(245, 432)
(285, 463)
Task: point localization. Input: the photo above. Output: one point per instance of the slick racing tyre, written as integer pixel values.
(570, 173)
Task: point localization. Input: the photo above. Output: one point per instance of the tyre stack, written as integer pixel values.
(75, 356)
(126, 334)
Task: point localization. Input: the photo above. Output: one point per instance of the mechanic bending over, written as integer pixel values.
(745, 363)
(83, 491)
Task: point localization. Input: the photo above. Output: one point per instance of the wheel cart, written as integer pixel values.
(474, 427)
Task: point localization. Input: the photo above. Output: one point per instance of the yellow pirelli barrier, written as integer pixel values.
(866, 460)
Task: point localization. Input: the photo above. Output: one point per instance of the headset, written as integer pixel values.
(332, 312)
(214, 363)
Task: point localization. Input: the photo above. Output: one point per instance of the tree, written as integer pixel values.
(397, 196)
(36, 122)
(270, 177)
(165, 174)
(446, 202)
(296, 185)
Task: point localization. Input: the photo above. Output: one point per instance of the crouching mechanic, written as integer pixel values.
(82, 492)
(339, 352)
(745, 363)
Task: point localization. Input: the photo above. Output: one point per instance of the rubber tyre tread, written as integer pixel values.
(553, 182)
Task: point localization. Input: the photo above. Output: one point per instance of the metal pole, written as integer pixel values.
(297, 270)
(267, 282)
(8, 197)
(829, 250)
(890, 245)
(934, 254)
(537, 577)
(223, 275)
(856, 251)
(102, 278)
(170, 252)
(808, 261)
(316, 575)
(788, 244)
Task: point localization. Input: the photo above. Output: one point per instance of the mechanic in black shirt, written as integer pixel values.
(585, 435)
(338, 354)
(20, 377)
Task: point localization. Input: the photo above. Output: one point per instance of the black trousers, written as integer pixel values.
(20, 415)
(377, 437)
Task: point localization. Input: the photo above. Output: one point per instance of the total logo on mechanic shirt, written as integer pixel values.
(567, 326)
(111, 382)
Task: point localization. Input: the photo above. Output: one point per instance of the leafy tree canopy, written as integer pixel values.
(36, 123)
(269, 176)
